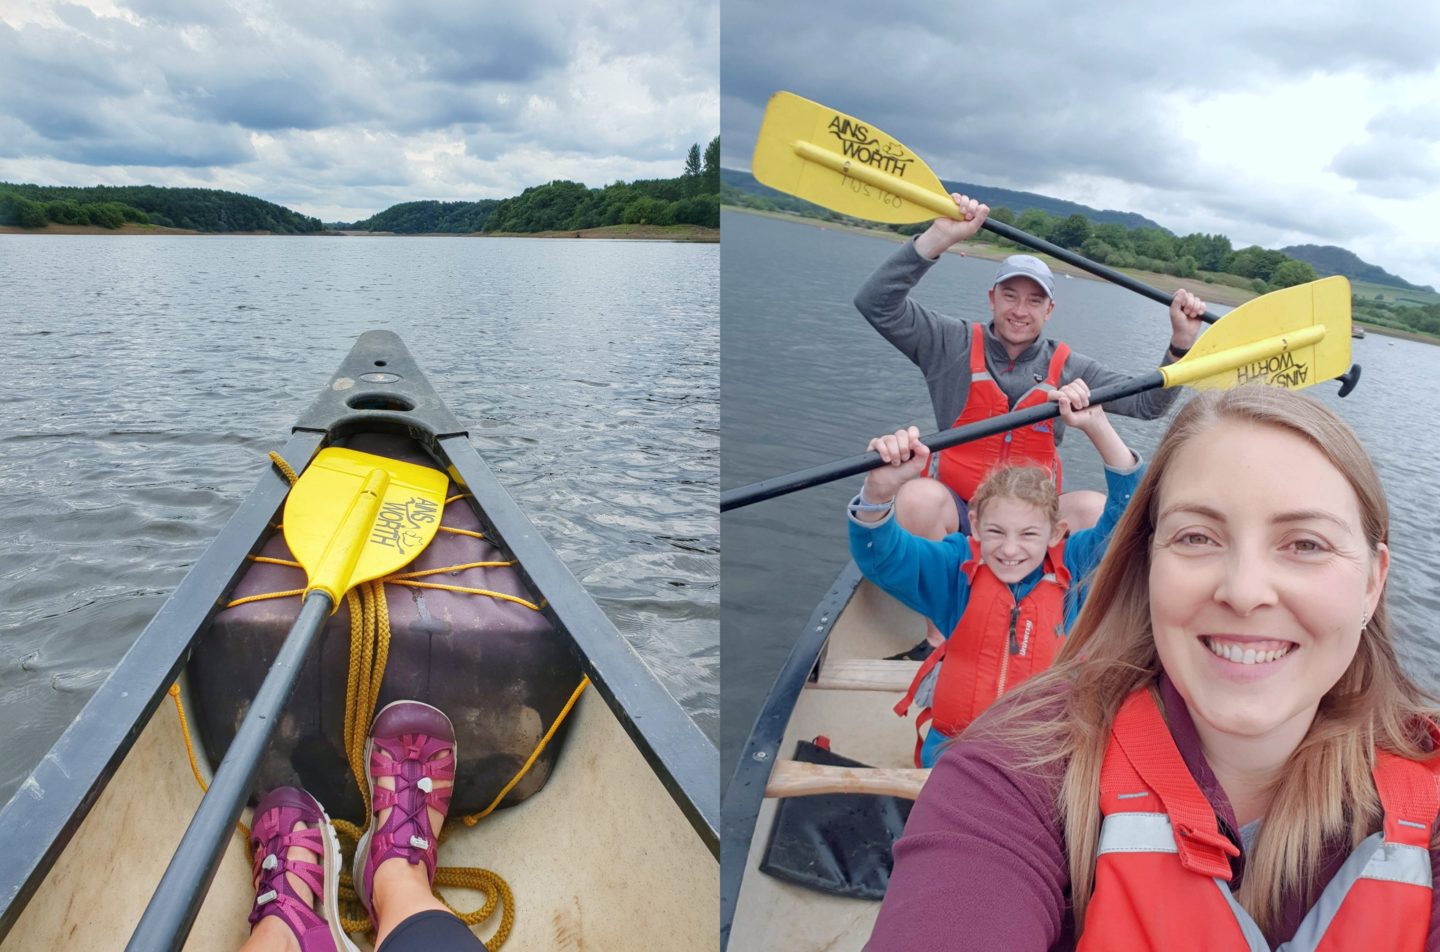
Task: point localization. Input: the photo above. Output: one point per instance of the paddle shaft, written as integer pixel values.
(944, 206)
(1070, 257)
(829, 472)
(172, 910)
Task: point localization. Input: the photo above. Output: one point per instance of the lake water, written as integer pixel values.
(146, 378)
(807, 380)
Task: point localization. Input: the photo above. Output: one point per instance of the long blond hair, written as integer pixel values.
(1327, 791)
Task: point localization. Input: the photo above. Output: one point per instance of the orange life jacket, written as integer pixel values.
(963, 467)
(1163, 873)
(997, 644)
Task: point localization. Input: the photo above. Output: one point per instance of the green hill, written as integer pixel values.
(1328, 260)
(200, 209)
(430, 217)
(691, 198)
(1018, 202)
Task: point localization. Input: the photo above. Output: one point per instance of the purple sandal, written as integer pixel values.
(415, 744)
(271, 838)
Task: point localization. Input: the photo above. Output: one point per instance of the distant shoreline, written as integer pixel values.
(685, 233)
(1215, 293)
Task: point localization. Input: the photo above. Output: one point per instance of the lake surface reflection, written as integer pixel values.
(146, 378)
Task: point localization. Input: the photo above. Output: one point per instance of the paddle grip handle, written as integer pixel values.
(172, 910)
(1070, 257)
(829, 472)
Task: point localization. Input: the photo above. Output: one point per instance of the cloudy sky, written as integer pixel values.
(1275, 123)
(341, 109)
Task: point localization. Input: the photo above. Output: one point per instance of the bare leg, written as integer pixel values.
(400, 890)
(1081, 509)
(924, 507)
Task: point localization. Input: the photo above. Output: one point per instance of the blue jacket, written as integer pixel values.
(925, 575)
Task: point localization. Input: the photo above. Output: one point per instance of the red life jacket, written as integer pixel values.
(1161, 880)
(996, 645)
(963, 467)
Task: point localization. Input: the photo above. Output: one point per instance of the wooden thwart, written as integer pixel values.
(864, 674)
(792, 778)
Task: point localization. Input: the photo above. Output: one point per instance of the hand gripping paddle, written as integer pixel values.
(851, 167)
(1277, 339)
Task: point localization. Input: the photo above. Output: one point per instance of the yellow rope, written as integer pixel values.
(263, 596)
(194, 764)
(468, 591)
(450, 568)
(465, 532)
(283, 466)
(474, 818)
(290, 563)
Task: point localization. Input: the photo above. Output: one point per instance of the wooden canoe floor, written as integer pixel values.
(601, 859)
(851, 703)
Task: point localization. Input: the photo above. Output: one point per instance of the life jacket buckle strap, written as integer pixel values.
(1203, 851)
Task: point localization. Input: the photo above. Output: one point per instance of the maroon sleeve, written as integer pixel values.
(1432, 941)
(982, 862)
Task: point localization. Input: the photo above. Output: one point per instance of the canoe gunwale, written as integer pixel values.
(683, 758)
(50, 805)
(45, 812)
(745, 793)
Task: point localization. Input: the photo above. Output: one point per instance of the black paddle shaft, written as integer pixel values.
(1070, 257)
(172, 910)
(829, 472)
(1348, 380)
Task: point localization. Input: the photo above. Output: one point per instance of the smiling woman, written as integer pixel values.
(1237, 756)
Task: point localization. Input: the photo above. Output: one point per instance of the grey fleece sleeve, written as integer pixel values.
(1143, 406)
(934, 342)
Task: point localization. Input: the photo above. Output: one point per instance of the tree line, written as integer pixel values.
(1205, 257)
(110, 206)
(429, 217)
(1210, 258)
(691, 198)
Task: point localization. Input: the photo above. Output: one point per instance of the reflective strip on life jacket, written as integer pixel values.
(1161, 883)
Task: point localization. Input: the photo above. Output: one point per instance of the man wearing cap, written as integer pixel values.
(1013, 367)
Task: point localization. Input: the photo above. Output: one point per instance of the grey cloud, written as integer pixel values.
(1418, 122)
(477, 42)
(1021, 97)
(1390, 167)
(335, 96)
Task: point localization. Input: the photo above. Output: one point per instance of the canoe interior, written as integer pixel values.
(861, 724)
(602, 858)
(617, 851)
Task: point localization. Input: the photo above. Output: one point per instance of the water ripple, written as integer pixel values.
(146, 380)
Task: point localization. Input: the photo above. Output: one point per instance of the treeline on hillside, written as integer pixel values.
(1420, 318)
(1328, 259)
(692, 198)
(108, 206)
(742, 188)
(1208, 257)
(1205, 257)
(22, 212)
(430, 217)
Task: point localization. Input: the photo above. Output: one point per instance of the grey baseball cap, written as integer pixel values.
(1026, 266)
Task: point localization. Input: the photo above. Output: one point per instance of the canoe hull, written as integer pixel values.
(601, 859)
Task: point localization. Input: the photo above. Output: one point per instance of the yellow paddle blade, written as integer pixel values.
(1291, 338)
(353, 517)
(846, 165)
